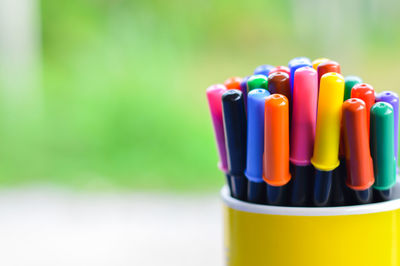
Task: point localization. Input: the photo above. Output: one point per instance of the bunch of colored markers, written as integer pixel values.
(303, 135)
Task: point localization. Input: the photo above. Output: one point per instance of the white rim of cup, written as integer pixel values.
(313, 211)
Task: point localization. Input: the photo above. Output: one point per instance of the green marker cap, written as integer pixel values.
(257, 82)
(382, 145)
(349, 83)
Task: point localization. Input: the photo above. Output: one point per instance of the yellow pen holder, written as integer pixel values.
(283, 236)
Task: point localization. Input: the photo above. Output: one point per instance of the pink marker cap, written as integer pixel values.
(214, 97)
(304, 115)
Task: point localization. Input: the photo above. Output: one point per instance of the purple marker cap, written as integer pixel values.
(214, 97)
(305, 93)
(393, 99)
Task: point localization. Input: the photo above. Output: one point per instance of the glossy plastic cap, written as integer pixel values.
(318, 61)
(257, 82)
(382, 145)
(263, 70)
(358, 155)
(255, 134)
(279, 83)
(305, 94)
(366, 93)
(214, 97)
(327, 135)
(276, 141)
(327, 67)
(280, 69)
(233, 83)
(349, 83)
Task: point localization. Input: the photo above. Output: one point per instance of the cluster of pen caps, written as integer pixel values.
(303, 135)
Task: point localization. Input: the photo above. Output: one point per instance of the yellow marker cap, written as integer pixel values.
(327, 135)
(319, 61)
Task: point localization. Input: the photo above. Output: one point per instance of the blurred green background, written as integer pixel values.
(119, 100)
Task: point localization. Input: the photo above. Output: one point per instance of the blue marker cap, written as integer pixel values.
(263, 70)
(255, 134)
(299, 60)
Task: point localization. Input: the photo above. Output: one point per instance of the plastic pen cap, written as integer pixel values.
(243, 89)
(263, 70)
(235, 131)
(392, 99)
(276, 141)
(279, 83)
(305, 94)
(257, 82)
(382, 145)
(214, 97)
(233, 83)
(366, 93)
(358, 155)
(299, 60)
(255, 134)
(327, 134)
(318, 61)
(327, 67)
(349, 83)
(280, 69)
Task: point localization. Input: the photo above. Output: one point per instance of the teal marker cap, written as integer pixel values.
(349, 83)
(382, 145)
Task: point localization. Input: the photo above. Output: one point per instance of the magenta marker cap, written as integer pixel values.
(214, 97)
(305, 94)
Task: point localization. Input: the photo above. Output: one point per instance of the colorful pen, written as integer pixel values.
(263, 70)
(327, 67)
(392, 99)
(299, 60)
(366, 93)
(305, 93)
(341, 193)
(280, 69)
(233, 83)
(234, 118)
(279, 83)
(360, 170)
(382, 147)
(214, 97)
(295, 64)
(326, 146)
(349, 83)
(257, 82)
(276, 149)
(255, 145)
(318, 61)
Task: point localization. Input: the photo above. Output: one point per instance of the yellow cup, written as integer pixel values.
(283, 236)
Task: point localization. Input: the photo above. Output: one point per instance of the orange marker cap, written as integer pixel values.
(360, 171)
(276, 141)
(233, 83)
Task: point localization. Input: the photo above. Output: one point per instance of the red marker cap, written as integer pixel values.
(366, 93)
(326, 67)
(283, 69)
(360, 170)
